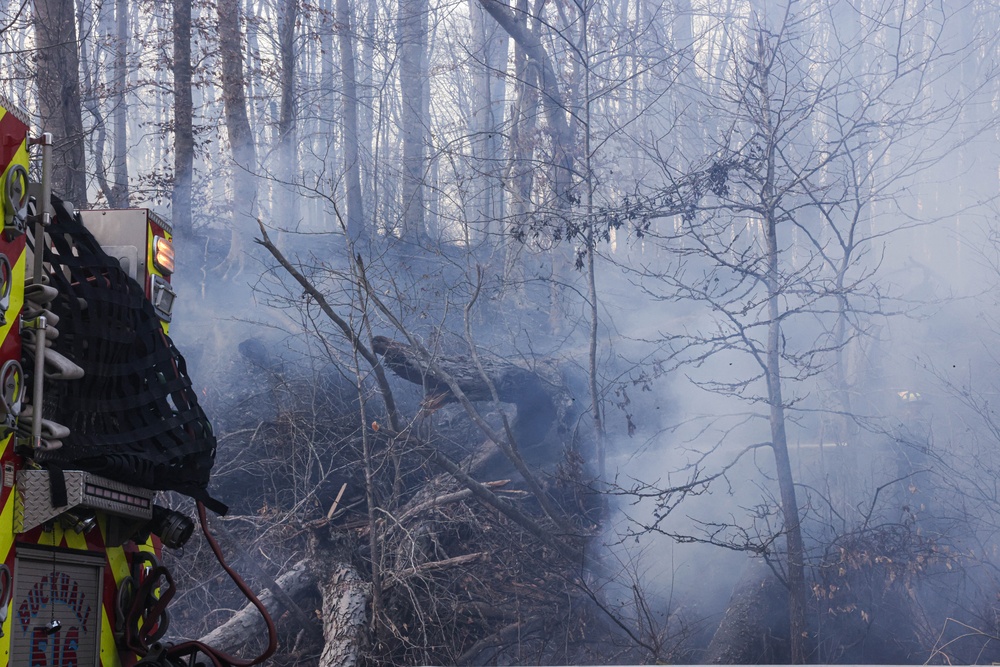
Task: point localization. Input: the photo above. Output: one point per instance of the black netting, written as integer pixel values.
(134, 416)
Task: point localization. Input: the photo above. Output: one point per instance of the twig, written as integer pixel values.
(336, 501)
(446, 499)
(403, 575)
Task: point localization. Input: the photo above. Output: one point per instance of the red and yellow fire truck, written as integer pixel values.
(97, 415)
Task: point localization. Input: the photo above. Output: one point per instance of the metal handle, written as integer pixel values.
(37, 382)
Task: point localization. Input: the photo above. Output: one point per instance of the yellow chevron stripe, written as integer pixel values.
(75, 540)
(16, 293)
(109, 650)
(110, 657)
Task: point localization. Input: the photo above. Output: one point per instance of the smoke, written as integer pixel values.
(891, 436)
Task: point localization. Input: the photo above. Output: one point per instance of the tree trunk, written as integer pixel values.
(90, 72)
(779, 441)
(519, 172)
(754, 629)
(356, 228)
(528, 391)
(367, 127)
(58, 83)
(118, 195)
(561, 161)
(241, 140)
(288, 167)
(489, 55)
(345, 601)
(412, 72)
(247, 624)
(180, 207)
(552, 99)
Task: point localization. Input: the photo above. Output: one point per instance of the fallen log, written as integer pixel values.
(345, 602)
(529, 392)
(247, 623)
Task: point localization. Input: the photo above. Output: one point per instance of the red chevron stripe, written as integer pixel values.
(12, 135)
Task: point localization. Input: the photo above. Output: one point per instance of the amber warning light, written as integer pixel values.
(163, 255)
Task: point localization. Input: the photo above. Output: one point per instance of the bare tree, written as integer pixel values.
(772, 237)
(489, 52)
(553, 102)
(414, 123)
(118, 193)
(181, 202)
(357, 227)
(241, 139)
(58, 87)
(288, 115)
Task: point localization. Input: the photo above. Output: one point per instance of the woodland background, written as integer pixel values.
(565, 331)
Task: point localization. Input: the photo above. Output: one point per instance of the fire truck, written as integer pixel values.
(97, 415)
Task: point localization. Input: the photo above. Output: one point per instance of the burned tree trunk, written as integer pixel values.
(534, 396)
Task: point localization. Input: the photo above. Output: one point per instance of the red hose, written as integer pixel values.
(220, 659)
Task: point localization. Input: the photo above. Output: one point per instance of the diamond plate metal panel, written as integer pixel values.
(83, 490)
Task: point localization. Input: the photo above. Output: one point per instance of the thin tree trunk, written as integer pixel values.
(118, 196)
(412, 72)
(288, 167)
(237, 125)
(779, 441)
(90, 80)
(318, 123)
(553, 102)
(597, 411)
(519, 172)
(180, 207)
(356, 228)
(367, 129)
(58, 85)
(489, 54)
(497, 50)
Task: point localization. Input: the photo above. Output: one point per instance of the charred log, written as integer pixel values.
(531, 394)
